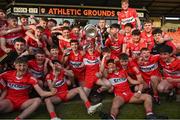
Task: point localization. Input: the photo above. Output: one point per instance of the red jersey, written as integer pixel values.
(18, 88)
(59, 58)
(112, 56)
(92, 63)
(47, 32)
(134, 49)
(131, 70)
(119, 81)
(150, 67)
(115, 46)
(64, 44)
(170, 43)
(172, 69)
(60, 84)
(32, 43)
(11, 37)
(74, 36)
(128, 16)
(36, 70)
(127, 39)
(76, 62)
(148, 39)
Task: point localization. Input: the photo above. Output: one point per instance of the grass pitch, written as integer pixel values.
(75, 109)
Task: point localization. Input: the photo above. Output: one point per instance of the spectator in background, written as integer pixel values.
(128, 15)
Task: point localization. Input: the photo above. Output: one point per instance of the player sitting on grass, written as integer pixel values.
(119, 82)
(56, 80)
(19, 83)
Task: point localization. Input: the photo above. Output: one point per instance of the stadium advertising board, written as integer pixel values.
(70, 11)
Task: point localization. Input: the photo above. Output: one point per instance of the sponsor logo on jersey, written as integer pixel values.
(36, 74)
(149, 67)
(127, 20)
(115, 48)
(115, 81)
(91, 62)
(17, 86)
(171, 73)
(136, 53)
(75, 64)
(59, 83)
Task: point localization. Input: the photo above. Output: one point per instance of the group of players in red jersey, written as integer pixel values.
(48, 58)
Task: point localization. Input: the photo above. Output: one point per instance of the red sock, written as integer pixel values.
(87, 104)
(52, 114)
(17, 118)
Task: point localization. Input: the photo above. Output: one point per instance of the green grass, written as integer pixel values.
(75, 109)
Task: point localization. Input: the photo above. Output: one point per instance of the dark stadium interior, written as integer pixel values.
(155, 7)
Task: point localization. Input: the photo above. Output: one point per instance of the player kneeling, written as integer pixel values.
(56, 79)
